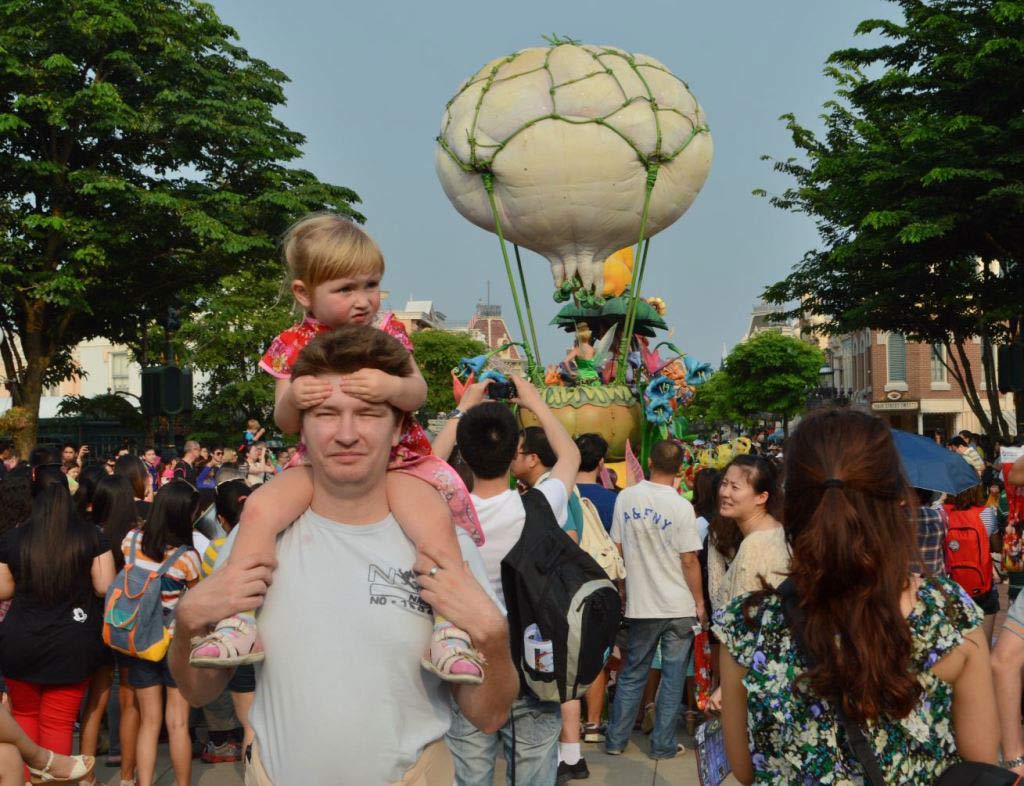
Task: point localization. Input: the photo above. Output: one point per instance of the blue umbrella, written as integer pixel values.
(930, 466)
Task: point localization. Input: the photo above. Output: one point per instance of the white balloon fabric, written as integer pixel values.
(569, 133)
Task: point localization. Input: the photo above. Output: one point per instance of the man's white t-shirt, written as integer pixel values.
(655, 525)
(341, 698)
(502, 519)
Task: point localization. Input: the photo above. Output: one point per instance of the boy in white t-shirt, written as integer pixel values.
(490, 444)
(656, 531)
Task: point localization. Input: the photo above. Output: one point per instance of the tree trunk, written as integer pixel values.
(31, 386)
(959, 365)
(37, 347)
(988, 365)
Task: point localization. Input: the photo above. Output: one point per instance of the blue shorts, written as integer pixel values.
(147, 673)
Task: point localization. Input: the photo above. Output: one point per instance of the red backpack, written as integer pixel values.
(968, 559)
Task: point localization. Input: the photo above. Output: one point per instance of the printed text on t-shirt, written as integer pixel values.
(658, 520)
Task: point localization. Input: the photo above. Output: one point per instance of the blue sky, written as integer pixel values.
(370, 81)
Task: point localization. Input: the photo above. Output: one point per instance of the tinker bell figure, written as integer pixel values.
(582, 354)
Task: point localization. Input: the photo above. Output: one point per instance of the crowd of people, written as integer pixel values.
(378, 561)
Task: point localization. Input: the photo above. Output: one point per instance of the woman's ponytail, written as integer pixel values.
(848, 522)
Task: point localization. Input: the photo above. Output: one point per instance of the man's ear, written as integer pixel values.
(302, 294)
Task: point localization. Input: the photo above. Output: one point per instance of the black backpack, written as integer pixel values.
(550, 582)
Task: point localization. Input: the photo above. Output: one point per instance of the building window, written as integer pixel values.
(938, 366)
(119, 372)
(896, 347)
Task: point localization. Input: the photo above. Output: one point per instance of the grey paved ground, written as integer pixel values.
(631, 769)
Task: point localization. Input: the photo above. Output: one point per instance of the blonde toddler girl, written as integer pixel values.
(335, 270)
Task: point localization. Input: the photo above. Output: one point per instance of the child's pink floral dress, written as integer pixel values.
(413, 455)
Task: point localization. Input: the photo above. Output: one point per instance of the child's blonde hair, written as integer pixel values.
(324, 246)
(253, 424)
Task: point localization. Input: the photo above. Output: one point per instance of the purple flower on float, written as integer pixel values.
(759, 661)
(815, 710)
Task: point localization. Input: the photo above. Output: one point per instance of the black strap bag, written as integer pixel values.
(554, 588)
(965, 773)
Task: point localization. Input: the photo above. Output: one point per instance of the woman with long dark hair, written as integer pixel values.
(134, 468)
(747, 539)
(896, 651)
(56, 568)
(168, 527)
(705, 498)
(113, 512)
(87, 480)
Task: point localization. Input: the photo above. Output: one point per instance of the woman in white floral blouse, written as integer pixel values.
(904, 654)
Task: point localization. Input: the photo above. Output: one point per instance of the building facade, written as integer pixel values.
(489, 326)
(105, 368)
(906, 382)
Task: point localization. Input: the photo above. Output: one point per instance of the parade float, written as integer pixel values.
(582, 154)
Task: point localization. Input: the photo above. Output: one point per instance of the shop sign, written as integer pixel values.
(895, 406)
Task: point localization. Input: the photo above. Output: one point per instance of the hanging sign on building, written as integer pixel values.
(895, 406)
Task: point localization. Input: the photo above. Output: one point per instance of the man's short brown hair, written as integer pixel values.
(351, 348)
(666, 457)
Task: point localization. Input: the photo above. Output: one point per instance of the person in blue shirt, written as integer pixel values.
(592, 451)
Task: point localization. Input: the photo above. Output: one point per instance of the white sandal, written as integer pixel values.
(444, 655)
(82, 766)
(235, 642)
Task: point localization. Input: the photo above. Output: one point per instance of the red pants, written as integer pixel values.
(46, 713)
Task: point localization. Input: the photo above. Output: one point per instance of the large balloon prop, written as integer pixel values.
(561, 144)
(577, 152)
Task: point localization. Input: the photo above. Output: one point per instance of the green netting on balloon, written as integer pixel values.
(615, 64)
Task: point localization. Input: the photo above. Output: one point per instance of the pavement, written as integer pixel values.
(632, 768)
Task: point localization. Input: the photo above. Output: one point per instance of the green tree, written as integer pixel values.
(770, 373)
(437, 353)
(107, 406)
(712, 402)
(232, 327)
(140, 163)
(917, 188)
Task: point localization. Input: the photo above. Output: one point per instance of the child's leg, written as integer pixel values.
(422, 514)
(267, 513)
(271, 510)
(426, 518)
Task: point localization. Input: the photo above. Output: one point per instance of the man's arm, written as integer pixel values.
(487, 705)
(691, 575)
(229, 590)
(444, 443)
(455, 593)
(567, 455)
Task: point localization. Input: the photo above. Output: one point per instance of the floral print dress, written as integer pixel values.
(795, 738)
